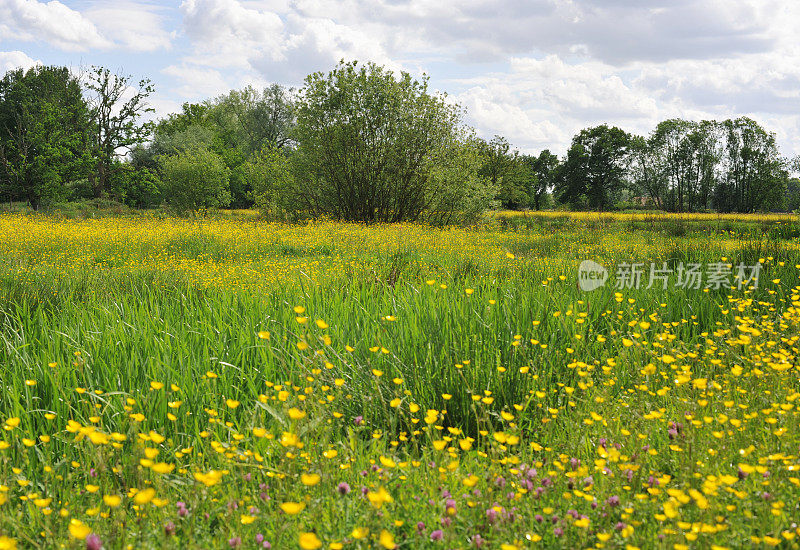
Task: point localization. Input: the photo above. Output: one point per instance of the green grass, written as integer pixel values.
(466, 337)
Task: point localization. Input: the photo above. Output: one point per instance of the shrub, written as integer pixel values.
(195, 179)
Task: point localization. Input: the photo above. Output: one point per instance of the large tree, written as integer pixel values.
(116, 108)
(43, 134)
(367, 143)
(753, 174)
(546, 168)
(593, 174)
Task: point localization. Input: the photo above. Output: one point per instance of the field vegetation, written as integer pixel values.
(229, 382)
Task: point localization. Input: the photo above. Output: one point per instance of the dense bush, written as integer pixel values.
(195, 179)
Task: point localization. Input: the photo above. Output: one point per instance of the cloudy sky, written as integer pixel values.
(534, 71)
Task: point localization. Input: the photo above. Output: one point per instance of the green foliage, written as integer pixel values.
(269, 175)
(365, 144)
(43, 124)
(594, 170)
(457, 193)
(194, 180)
(116, 121)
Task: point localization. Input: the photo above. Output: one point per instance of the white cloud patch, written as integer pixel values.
(51, 22)
(129, 25)
(134, 26)
(16, 60)
(535, 71)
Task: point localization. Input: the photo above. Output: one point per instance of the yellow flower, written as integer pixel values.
(471, 481)
(387, 540)
(309, 480)
(231, 403)
(162, 468)
(7, 543)
(387, 462)
(211, 478)
(292, 508)
(379, 497)
(359, 533)
(264, 334)
(247, 520)
(78, 529)
(322, 324)
(112, 501)
(156, 385)
(309, 541)
(144, 496)
(296, 414)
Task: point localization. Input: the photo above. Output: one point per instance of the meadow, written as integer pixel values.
(225, 382)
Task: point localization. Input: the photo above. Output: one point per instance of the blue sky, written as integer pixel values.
(534, 71)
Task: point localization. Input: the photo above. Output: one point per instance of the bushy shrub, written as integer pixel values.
(195, 179)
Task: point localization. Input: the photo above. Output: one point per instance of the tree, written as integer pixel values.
(545, 169)
(594, 171)
(194, 180)
(115, 121)
(754, 175)
(43, 134)
(457, 192)
(506, 172)
(365, 142)
(269, 175)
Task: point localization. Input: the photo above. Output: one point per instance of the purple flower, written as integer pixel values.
(558, 531)
(478, 541)
(358, 420)
(437, 535)
(491, 516)
(234, 542)
(259, 538)
(343, 488)
(93, 542)
(169, 528)
(420, 526)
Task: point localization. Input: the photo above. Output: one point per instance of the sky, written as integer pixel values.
(533, 71)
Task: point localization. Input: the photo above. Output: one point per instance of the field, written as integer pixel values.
(225, 383)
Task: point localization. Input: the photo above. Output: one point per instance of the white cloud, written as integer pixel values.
(16, 60)
(197, 82)
(51, 22)
(135, 26)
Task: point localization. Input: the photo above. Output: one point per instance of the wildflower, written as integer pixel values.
(309, 480)
(93, 542)
(386, 540)
(309, 541)
(343, 488)
(112, 501)
(78, 529)
(292, 508)
(437, 535)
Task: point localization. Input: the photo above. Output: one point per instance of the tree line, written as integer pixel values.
(357, 143)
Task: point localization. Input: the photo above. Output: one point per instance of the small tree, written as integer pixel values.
(194, 180)
(269, 175)
(457, 193)
(365, 143)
